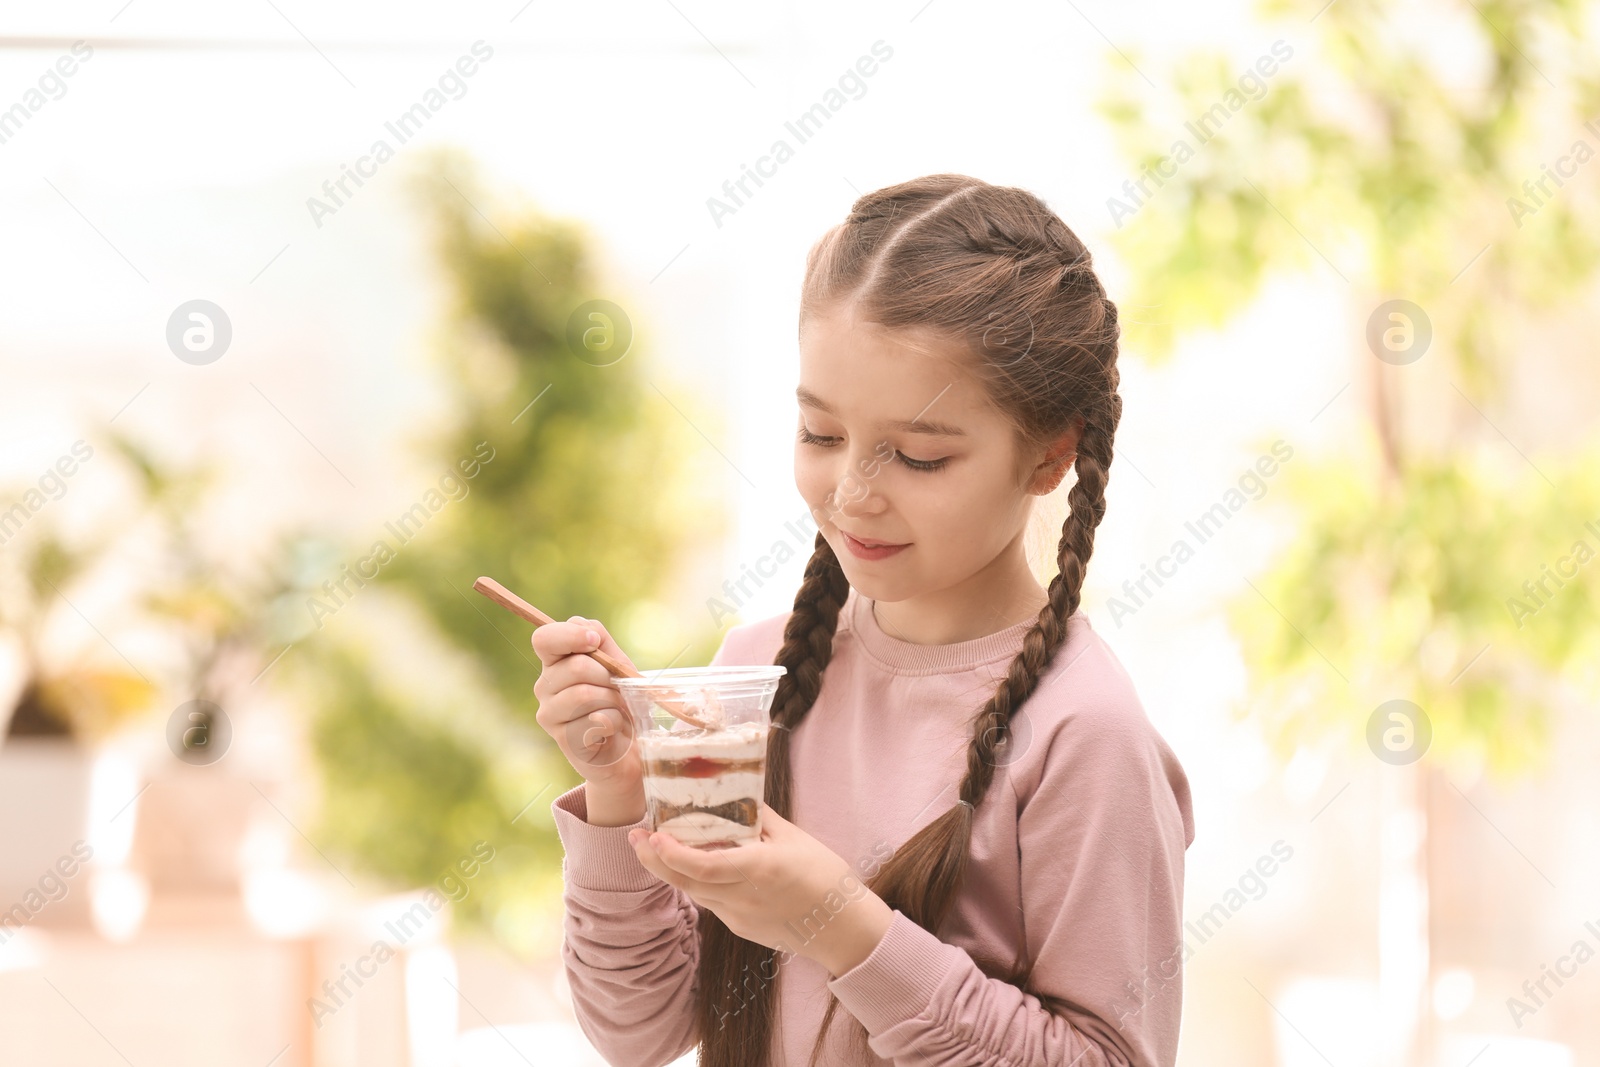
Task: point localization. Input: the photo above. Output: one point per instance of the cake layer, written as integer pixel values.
(744, 812)
(703, 792)
(702, 829)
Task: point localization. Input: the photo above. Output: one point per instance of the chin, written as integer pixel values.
(871, 586)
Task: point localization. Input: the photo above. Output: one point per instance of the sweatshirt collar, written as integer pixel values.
(929, 659)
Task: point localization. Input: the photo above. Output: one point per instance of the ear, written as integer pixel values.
(1058, 460)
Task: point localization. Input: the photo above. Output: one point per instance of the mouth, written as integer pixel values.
(873, 542)
(870, 548)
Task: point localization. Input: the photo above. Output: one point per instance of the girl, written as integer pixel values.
(973, 838)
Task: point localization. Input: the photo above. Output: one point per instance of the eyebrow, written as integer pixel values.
(923, 426)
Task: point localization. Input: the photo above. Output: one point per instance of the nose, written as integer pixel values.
(854, 495)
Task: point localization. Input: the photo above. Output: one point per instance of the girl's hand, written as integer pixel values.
(787, 891)
(584, 713)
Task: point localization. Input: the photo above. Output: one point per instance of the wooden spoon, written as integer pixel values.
(705, 718)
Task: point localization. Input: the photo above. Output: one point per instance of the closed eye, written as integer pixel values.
(922, 464)
(806, 437)
(809, 438)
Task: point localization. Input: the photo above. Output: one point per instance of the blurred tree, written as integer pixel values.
(1437, 175)
(563, 474)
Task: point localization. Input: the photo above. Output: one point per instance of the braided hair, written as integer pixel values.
(996, 271)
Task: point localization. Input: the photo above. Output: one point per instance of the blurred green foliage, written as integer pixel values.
(1405, 168)
(1449, 593)
(588, 506)
(1376, 152)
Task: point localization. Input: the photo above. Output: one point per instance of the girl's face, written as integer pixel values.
(901, 445)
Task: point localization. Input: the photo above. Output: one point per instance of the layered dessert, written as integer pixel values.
(704, 787)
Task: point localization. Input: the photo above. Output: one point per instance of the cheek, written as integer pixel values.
(960, 521)
(974, 517)
(813, 478)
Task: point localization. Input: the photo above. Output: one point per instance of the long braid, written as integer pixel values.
(806, 652)
(726, 960)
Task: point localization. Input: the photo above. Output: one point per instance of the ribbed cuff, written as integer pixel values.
(898, 979)
(598, 857)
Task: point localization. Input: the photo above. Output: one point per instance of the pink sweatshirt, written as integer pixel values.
(1077, 848)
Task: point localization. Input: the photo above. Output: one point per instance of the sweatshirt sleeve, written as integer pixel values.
(1103, 823)
(631, 943)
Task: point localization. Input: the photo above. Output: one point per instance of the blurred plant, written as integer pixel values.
(79, 694)
(211, 604)
(1413, 171)
(207, 606)
(587, 507)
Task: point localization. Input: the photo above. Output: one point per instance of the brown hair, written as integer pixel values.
(995, 271)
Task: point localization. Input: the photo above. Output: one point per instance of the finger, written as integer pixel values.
(607, 644)
(651, 861)
(568, 671)
(709, 866)
(704, 894)
(600, 738)
(580, 703)
(556, 639)
(773, 825)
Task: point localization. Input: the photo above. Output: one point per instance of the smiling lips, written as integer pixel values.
(870, 548)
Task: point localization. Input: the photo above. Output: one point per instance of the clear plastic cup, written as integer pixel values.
(703, 786)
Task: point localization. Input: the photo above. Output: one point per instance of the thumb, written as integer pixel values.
(608, 644)
(772, 818)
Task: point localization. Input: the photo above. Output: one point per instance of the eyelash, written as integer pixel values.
(924, 466)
